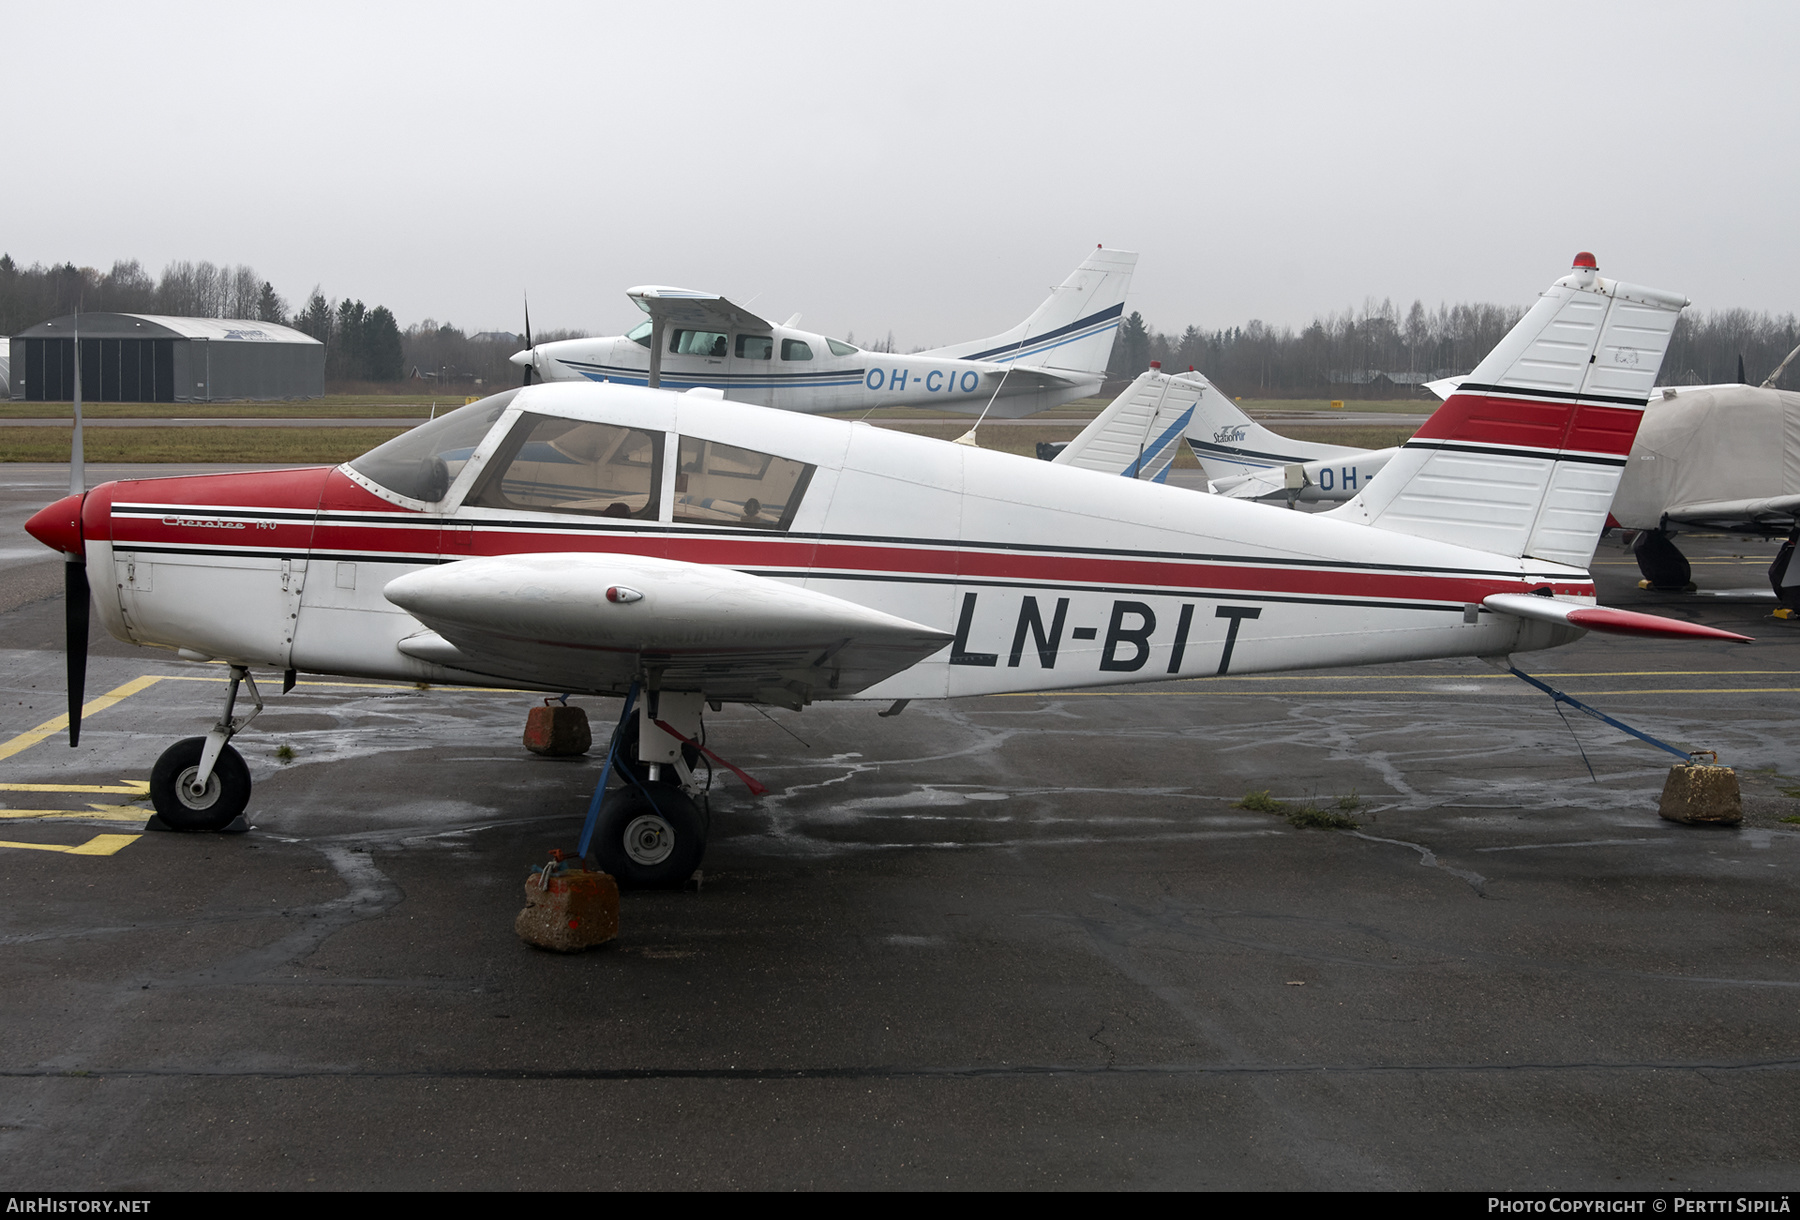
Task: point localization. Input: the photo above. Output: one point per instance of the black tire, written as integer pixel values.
(1662, 564)
(626, 765)
(227, 791)
(1788, 595)
(650, 837)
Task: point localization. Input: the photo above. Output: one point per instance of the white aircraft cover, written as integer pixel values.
(1724, 456)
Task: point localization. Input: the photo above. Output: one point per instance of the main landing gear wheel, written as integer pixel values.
(650, 837)
(1662, 564)
(227, 789)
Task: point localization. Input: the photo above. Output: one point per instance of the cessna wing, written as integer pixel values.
(695, 310)
(599, 619)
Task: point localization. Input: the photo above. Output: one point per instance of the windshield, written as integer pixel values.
(424, 462)
(640, 334)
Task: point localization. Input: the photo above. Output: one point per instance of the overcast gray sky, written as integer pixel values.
(925, 168)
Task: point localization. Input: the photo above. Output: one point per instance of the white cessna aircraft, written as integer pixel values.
(682, 551)
(697, 340)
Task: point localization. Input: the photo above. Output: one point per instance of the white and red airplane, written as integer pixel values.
(606, 539)
(698, 340)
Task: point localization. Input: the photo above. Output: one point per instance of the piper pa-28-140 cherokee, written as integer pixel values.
(606, 539)
(696, 340)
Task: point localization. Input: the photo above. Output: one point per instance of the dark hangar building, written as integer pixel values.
(133, 357)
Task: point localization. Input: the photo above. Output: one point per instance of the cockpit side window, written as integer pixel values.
(796, 349)
(549, 464)
(720, 484)
(755, 347)
(421, 464)
(696, 343)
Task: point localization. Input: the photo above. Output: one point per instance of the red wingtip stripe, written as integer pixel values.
(1630, 622)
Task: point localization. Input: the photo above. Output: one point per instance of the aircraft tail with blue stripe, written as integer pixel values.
(1073, 330)
(1139, 433)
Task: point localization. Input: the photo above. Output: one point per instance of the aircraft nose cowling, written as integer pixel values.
(59, 525)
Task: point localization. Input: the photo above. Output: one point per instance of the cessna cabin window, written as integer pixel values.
(696, 343)
(558, 465)
(424, 462)
(720, 484)
(839, 348)
(755, 347)
(795, 349)
(640, 334)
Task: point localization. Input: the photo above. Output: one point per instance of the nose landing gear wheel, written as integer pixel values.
(226, 793)
(650, 837)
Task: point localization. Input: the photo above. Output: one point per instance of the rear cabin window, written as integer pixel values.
(795, 349)
(840, 348)
(571, 466)
(719, 484)
(697, 343)
(755, 347)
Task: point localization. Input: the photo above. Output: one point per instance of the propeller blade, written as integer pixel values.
(529, 364)
(75, 643)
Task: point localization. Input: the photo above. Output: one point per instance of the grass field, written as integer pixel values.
(302, 446)
(202, 444)
(345, 406)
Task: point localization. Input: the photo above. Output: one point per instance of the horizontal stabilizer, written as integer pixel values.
(594, 622)
(1024, 377)
(698, 310)
(1728, 514)
(1603, 618)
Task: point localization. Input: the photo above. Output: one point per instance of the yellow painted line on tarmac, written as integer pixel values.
(94, 813)
(99, 845)
(125, 787)
(50, 728)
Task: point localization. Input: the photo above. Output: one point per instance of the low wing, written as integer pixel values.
(1757, 515)
(694, 310)
(1603, 618)
(595, 622)
(1443, 387)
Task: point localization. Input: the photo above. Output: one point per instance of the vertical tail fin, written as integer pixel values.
(1523, 458)
(1139, 432)
(1231, 445)
(1073, 329)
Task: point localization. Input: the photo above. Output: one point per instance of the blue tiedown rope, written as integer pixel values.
(1579, 706)
(612, 750)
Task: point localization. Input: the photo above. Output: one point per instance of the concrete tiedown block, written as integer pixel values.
(557, 731)
(569, 908)
(1699, 794)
